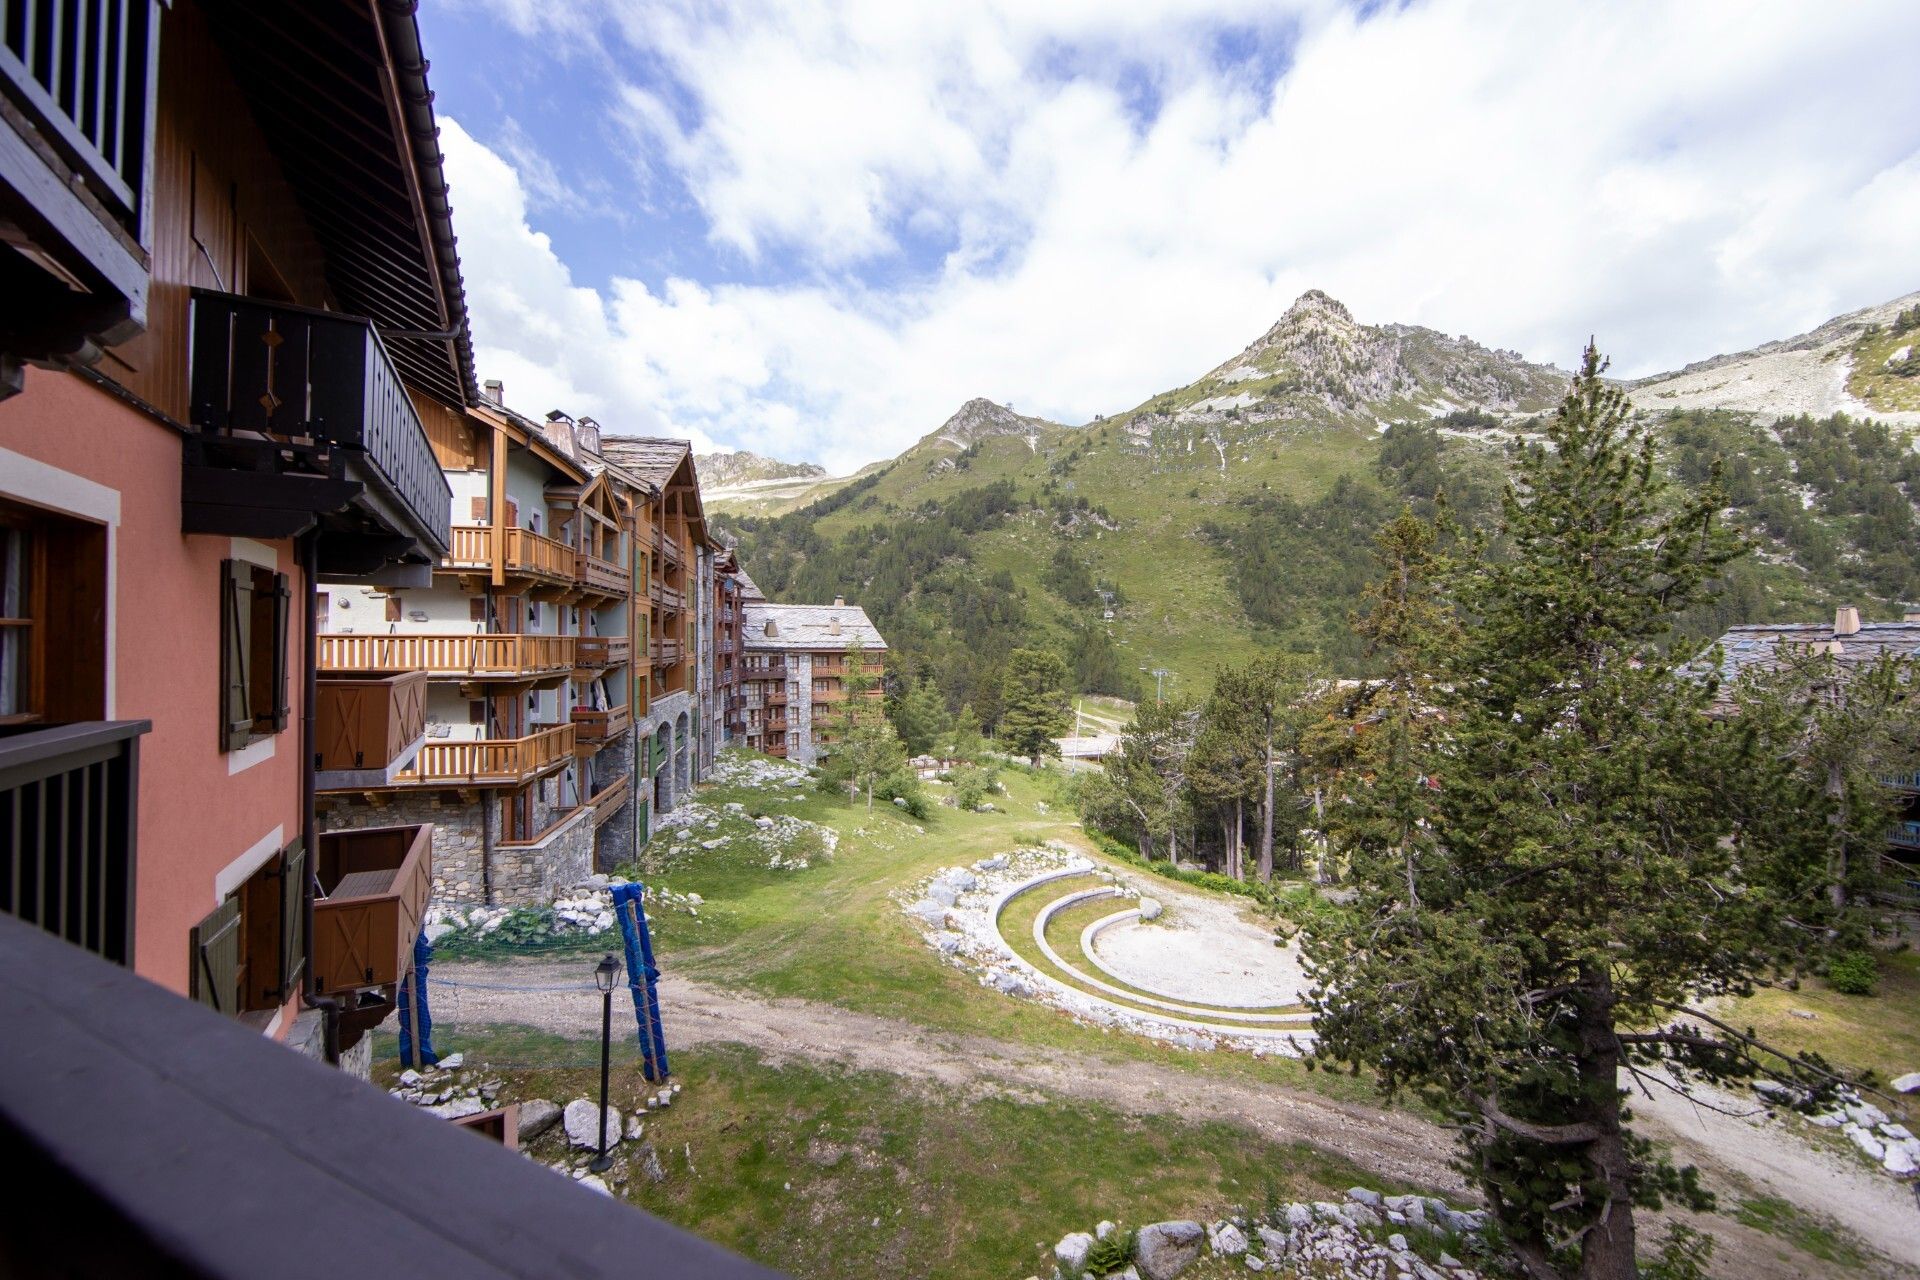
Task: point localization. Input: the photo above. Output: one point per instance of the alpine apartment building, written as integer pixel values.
(799, 665)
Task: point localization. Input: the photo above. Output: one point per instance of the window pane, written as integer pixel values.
(16, 635)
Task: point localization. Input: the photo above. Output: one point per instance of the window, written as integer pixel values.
(53, 639)
(254, 606)
(249, 952)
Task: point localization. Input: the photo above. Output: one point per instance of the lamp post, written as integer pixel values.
(603, 975)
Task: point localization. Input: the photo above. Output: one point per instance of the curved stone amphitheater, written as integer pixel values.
(1199, 969)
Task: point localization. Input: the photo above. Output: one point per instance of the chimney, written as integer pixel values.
(1846, 620)
(1912, 614)
(586, 433)
(833, 624)
(772, 629)
(495, 390)
(839, 602)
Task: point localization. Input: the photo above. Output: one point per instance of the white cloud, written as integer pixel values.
(1678, 178)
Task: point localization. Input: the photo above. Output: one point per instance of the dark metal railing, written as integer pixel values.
(287, 372)
(69, 831)
(84, 68)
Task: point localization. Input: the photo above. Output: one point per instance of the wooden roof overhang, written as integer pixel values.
(340, 91)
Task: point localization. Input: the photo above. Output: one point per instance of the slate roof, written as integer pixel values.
(749, 589)
(1757, 645)
(807, 626)
(655, 459)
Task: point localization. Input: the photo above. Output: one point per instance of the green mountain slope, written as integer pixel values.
(1237, 512)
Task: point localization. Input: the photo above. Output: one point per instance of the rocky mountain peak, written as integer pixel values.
(979, 418)
(720, 470)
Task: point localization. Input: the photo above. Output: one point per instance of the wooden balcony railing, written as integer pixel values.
(608, 801)
(598, 652)
(490, 656)
(601, 576)
(774, 671)
(367, 720)
(666, 652)
(491, 761)
(373, 889)
(1905, 834)
(69, 813)
(670, 551)
(264, 373)
(524, 552)
(667, 597)
(601, 724)
(77, 77)
(774, 724)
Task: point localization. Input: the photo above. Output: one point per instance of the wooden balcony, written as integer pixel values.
(487, 656)
(600, 725)
(596, 653)
(367, 726)
(671, 552)
(666, 653)
(300, 413)
(608, 802)
(1905, 835)
(776, 671)
(75, 140)
(524, 554)
(493, 762)
(774, 724)
(601, 577)
(372, 898)
(69, 807)
(669, 598)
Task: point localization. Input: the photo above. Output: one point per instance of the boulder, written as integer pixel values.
(1898, 1161)
(1164, 1250)
(538, 1116)
(1299, 1215)
(582, 1120)
(453, 1061)
(1150, 908)
(1071, 1252)
(1103, 1229)
(1909, 1083)
(1362, 1195)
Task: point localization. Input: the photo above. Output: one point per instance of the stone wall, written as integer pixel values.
(520, 873)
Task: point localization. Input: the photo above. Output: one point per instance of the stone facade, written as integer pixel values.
(519, 873)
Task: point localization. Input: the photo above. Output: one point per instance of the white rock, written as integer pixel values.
(1899, 1131)
(1874, 1148)
(1072, 1251)
(1362, 1195)
(635, 1127)
(1228, 1239)
(1866, 1115)
(1103, 1229)
(1898, 1161)
(1827, 1120)
(435, 932)
(1909, 1083)
(458, 1107)
(454, 1061)
(592, 1183)
(1163, 1250)
(582, 1120)
(1150, 908)
(409, 1077)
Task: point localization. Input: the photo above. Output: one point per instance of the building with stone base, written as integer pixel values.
(800, 663)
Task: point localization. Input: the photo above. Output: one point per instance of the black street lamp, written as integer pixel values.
(603, 975)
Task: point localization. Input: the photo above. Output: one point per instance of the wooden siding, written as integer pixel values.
(221, 213)
(453, 435)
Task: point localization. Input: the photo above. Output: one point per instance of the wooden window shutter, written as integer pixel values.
(282, 609)
(480, 509)
(215, 957)
(236, 648)
(293, 917)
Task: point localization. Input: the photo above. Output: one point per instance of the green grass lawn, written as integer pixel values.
(1878, 1033)
(821, 1172)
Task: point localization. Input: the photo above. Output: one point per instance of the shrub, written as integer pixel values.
(1110, 1255)
(1853, 973)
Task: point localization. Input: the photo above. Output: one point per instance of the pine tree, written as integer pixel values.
(920, 717)
(1543, 920)
(1034, 709)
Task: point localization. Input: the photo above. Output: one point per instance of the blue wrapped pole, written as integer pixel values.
(643, 977)
(416, 1020)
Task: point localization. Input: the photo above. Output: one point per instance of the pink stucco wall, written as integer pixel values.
(195, 816)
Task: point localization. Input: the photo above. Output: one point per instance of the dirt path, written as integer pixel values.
(1734, 1155)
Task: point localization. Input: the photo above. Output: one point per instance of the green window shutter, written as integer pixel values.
(236, 623)
(282, 607)
(214, 948)
(293, 917)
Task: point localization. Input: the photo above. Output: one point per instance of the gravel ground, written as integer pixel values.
(1202, 951)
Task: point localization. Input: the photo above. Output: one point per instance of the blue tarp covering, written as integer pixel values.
(416, 1021)
(642, 977)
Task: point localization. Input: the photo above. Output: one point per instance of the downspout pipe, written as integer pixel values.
(309, 552)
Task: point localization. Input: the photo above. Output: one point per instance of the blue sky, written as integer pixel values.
(813, 229)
